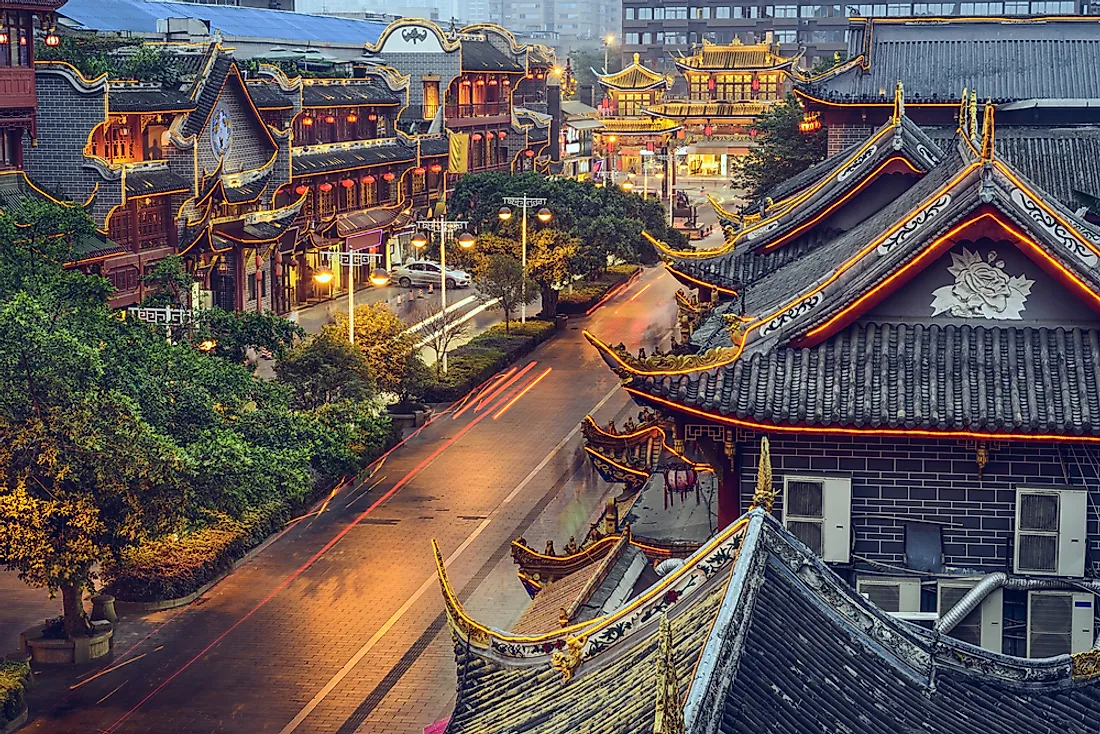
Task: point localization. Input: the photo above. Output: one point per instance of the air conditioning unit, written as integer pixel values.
(890, 594)
(1050, 531)
(1058, 623)
(984, 625)
(818, 511)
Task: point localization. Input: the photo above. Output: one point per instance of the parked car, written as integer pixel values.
(423, 273)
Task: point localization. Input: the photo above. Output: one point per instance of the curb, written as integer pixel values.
(18, 722)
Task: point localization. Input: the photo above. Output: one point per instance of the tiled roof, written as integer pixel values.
(797, 649)
(613, 697)
(1038, 58)
(370, 91)
(306, 164)
(639, 125)
(366, 220)
(149, 100)
(544, 611)
(245, 192)
(1021, 380)
(635, 77)
(434, 146)
(484, 56)
(733, 56)
(141, 16)
(148, 183)
(1062, 162)
(208, 96)
(681, 110)
(268, 96)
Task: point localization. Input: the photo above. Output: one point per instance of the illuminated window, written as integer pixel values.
(431, 99)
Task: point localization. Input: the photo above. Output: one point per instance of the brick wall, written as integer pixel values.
(896, 479)
(249, 147)
(842, 135)
(416, 65)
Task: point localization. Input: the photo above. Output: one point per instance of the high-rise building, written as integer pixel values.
(269, 4)
(658, 30)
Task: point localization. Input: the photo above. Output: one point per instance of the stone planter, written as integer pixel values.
(15, 723)
(66, 651)
(410, 421)
(103, 607)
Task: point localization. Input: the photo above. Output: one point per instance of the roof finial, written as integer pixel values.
(899, 102)
(669, 716)
(987, 132)
(973, 115)
(764, 496)
(637, 57)
(962, 111)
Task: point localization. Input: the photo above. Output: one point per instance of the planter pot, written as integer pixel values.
(67, 651)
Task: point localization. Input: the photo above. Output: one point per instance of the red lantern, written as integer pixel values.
(649, 146)
(326, 187)
(419, 170)
(752, 132)
(259, 275)
(387, 176)
(477, 136)
(707, 130)
(330, 119)
(506, 82)
(353, 117)
(347, 183)
(372, 117)
(490, 135)
(53, 40)
(302, 190)
(711, 84)
(756, 84)
(368, 179)
(529, 153)
(278, 270)
(436, 168)
(259, 264)
(481, 82)
(278, 257)
(307, 122)
(679, 479)
(501, 134)
(3, 38)
(492, 82)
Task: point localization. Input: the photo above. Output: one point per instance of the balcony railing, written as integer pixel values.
(16, 87)
(477, 109)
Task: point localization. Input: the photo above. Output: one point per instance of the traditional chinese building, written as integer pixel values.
(628, 130)
(728, 87)
(18, 103)
(752, 633)
(1038, 71)
(910, 324)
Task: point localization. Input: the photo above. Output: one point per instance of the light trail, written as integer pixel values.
(522, 392)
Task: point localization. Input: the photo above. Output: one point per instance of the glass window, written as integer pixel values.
(786, 37)
(786, 11)
(899, 9)
(700, 13)
(658, 13)
(1017, 8)
(628, 13)
(632, 39)
(645, 13)
(722, 12)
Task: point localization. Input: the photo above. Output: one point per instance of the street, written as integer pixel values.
(337, 625)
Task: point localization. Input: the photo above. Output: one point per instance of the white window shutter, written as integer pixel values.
(837, 531)
(1073, 533)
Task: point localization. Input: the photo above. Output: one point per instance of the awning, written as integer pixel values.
(364, 240)
(585, 123)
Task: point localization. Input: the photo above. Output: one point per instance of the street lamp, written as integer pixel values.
(378, 276)
(607, 41)
(446, 228)
(628, 185)
(525, 202)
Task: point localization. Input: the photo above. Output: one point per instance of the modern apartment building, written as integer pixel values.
(658, 30)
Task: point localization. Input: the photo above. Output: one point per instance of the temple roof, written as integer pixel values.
(308, 163)
(639, 126)
(1008, 59)
(267, 95)
(484, 56)
(774, 642)
(734, 57)
(149, 182)
(149, 99)
(635, 77)
(708, 110)
(369, 91)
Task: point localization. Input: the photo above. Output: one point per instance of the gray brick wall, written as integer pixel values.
(842, 135)
(899, 479)
(445, 66)
(250, 147)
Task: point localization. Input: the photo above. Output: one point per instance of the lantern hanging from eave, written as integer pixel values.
(436, 168)
(330, 119)
(501, 135)
(326, 187)
(492, 82)
(756, 84)
(679, 479)
(477, 136)
(307, 122)
(529, 153)
(388, 176)
(372, 117)
(347, 183)
(419, 170)
(506, 82)
(707, 130)
(368, 179)
(302, 190)
(352, 117)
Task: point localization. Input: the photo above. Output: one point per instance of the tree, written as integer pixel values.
(826, 63)
(383, 340)
(440, 329)
(782, 150)
(233, 333)
(501, 277)
(324, 369)
(553, 264)
(170, 284)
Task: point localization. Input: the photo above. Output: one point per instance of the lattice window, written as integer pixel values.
(152, 220)
(120, 229)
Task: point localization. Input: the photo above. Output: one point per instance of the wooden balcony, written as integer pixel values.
(17, 88)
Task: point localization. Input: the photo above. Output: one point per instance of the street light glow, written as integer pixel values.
(420, 240)
(610, 39)
(466, 240)
(323, 276)
(628, 185)
(379, 277)
(505, 214)
(544, 215)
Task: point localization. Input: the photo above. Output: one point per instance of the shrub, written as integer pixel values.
(13, 687)
(172, 568)
(587, 293)
(484, 355)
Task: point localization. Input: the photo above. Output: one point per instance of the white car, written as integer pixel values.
(423, 273)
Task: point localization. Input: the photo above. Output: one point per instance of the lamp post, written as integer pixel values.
(446, 228)
(525, 202)
(607, 41)
(378, 276)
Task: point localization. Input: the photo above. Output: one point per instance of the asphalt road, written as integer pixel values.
(337, 625)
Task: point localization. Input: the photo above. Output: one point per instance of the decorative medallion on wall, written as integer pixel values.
(221, 131)
(982, 289)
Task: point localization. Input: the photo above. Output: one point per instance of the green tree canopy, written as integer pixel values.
(782, 150)
(500, 276)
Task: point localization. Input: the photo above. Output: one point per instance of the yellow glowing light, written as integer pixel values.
(323, 276)
(379, 277)
(544, 215)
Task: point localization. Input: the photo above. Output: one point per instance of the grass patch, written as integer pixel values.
(483, 356)
(13, 689)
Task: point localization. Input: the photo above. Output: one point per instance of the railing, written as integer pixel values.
(17, 87)
(477, 109)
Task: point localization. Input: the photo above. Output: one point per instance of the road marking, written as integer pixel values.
(432, 580)
(459, 322)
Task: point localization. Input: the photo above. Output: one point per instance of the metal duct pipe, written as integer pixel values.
(668, 565)
(999, 580)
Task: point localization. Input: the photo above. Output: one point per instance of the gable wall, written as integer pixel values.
(250, 147)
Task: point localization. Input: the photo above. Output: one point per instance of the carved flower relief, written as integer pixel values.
(982, 289)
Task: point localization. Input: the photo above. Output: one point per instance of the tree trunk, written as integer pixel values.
(549, 302)
(72, 602)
